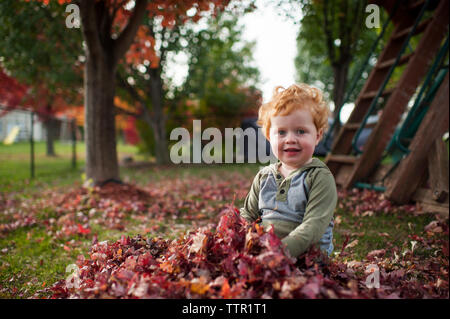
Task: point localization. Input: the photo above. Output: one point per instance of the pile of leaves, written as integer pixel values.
(233, 260)
(72, 212)
(112, 202)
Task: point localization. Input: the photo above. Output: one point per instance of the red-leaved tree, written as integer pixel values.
(11, 92)
(109, 28)
(37, 98)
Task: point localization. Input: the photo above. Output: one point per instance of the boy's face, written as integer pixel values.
(293, 138)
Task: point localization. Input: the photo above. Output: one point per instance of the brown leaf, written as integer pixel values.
(376, 253)
(353, 244)
(367, 213)
(199, 242)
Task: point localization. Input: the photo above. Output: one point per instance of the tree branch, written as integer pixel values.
(343, 35)
(103, 16)
(144, 111)
(90, 27)
(328, 33)
(355, 32)
(131, 90)
(125, 39)
(119, 110)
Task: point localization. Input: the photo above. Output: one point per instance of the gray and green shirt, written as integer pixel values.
(300, 206)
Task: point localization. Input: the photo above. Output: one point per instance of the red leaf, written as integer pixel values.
(82, 230)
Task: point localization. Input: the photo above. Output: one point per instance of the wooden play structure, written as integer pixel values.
(405, 155)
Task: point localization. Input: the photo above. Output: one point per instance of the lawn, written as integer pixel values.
(47, 223)
(15, 171)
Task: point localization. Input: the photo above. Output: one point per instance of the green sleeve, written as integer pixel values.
(251, 207)
(319, 212)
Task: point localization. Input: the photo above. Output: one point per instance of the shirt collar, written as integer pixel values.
(314, 163)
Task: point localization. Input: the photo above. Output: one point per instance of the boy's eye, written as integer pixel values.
(301, 132)
(281, 132)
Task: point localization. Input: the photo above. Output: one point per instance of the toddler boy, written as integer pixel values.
(297, 195)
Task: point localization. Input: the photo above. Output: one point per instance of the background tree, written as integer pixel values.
(12, 92)
(46, 58)
(219, 77)
(109, 28)
(142, 81)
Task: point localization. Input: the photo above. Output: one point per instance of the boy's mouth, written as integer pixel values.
(292, 150)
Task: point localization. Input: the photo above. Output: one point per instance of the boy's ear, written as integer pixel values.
(319, 136)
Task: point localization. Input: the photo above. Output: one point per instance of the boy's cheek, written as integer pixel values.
(274, 150)
(274, 147)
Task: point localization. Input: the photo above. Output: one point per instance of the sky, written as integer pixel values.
(275, 48)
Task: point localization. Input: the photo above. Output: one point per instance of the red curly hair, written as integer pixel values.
(297, 96)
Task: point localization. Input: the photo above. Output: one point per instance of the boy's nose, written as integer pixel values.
(290, 137)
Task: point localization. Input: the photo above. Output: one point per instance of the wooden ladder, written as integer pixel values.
(348, 167)
(428, 157)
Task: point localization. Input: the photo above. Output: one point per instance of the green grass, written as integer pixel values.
(367, 231)
(33, 260)
(15, 167)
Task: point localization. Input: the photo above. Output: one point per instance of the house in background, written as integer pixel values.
(22, 120)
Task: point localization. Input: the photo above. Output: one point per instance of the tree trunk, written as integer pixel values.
(50, 127)
(100, 134)
(158, 118)
(102, 55)
(161, 147)
(340, 71)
